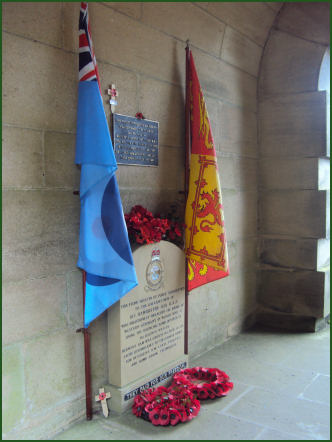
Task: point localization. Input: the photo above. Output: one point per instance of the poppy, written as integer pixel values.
(211, 393)
(154, 416)
(164, 417)
(174, 417)
(203, 394)
(137, 410)
(149, 407)
(196, 406)
(183, 415)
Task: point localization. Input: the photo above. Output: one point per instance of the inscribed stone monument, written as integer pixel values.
(146, 327)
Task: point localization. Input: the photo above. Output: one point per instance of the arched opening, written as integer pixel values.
(324, 85)
(323, 246)
(294, 169)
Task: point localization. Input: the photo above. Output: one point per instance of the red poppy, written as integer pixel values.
(174, 416)
(149, 407)
(195, 390)
(211, 393)
(219, 391)
(195, 407)
(183, 415)
(203, 394)
(224, 375)
(102, 396)
(164, 416)
(223, 389)
(137, 410)
(161, 390)
(149, 394)
(154, 416)
(181, 380)
(204, 372)
(139, 400)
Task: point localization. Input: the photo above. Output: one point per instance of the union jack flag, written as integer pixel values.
(88, 69)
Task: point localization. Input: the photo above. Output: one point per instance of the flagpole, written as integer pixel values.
(88, 396)
(186, 189)
(86, 334)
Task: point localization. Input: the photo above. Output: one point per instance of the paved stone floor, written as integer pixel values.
(281, 392)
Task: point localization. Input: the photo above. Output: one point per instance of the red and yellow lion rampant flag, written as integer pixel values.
(206, 247)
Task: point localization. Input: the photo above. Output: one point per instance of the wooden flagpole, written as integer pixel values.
(186, 189)
(88, 390)
(86, 334)
(88, 396)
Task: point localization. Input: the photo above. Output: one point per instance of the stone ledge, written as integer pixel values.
(291, 322)
(298, 293)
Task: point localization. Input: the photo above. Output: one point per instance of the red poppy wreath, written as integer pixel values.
(204, 383)
(166, 406)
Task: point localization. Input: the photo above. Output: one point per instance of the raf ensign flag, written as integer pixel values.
(104, 250)
(206, 247)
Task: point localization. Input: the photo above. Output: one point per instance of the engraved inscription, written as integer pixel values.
(154, 325)
(135, 141)
(154, 381)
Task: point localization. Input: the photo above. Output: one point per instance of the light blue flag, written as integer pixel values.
(104, 250)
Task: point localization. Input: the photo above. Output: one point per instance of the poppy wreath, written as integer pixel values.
(145, 228)
(166, 406)
(203, 383)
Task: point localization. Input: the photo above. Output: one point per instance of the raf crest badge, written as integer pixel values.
(154, 271)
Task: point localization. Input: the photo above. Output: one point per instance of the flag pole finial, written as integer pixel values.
(187, 42)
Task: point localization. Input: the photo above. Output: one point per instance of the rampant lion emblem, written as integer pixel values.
(212, 207)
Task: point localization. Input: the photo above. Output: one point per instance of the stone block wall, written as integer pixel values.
(140, 47)
(294, 171)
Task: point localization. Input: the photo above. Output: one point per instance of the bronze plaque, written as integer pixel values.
(135, 141)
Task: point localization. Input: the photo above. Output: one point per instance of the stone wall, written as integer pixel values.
(141, 48)
(294, 171)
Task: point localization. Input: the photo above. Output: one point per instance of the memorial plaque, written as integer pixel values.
(135, 141)
(146, 327)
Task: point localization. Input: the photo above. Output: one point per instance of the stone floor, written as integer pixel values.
(281, 392)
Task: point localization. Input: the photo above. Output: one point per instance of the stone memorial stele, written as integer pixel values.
(146, 327)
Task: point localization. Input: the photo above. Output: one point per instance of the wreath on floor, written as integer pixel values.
(166, 406)
(181, 401)
(204, 383)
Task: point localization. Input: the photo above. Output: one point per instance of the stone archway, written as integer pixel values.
(293, 206)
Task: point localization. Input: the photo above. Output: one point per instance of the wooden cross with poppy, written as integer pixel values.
(102, 396)
(113, 93)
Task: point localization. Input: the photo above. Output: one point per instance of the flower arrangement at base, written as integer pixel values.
(145, 228)
(166, 406)
(203, 383)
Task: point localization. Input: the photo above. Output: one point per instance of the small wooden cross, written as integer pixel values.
(113, 93)
(102, 396)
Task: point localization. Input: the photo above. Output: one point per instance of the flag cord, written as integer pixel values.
(186, 189)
